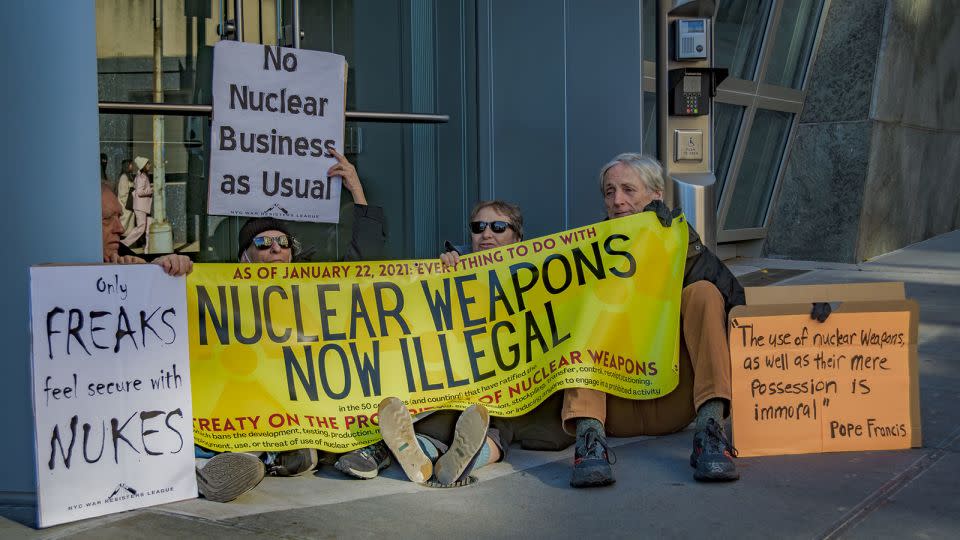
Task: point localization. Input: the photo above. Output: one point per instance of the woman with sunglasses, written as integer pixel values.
(492, 224)
(449, 445)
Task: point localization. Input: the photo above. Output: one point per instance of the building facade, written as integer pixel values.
(835, 132)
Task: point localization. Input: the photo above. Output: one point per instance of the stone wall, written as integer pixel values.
(913, 190)
(873, 165)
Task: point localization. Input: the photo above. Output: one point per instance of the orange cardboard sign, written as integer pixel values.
(848, 384)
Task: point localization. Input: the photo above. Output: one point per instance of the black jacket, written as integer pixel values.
(369, 234)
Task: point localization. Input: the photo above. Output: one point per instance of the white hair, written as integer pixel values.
(648, 169)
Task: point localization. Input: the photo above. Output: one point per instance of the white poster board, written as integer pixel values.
(276, 114)
(111, 390)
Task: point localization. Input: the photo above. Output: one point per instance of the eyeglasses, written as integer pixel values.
(477, 227)
(266, 242)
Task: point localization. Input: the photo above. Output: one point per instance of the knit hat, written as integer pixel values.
(140, 161)
(255, 226)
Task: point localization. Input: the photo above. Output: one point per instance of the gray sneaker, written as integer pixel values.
(224, 477)
(366, 462)
(469, 436)
(396, 427)
(292, 462)
(592, 459)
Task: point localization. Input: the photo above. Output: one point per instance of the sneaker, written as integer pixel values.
(396, 427)
(713, 455)
(366, 462)
(469, 435)
(591, 463)
(292, 462)
(224, 477)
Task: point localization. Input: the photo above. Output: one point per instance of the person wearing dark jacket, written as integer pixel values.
(225, 476)
(633, 183)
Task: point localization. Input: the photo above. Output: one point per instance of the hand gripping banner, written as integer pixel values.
(299, 355)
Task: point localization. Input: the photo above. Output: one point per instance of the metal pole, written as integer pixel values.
(238, 18)
(178, 109)
(296, 24)
(159, 233)
(280, 23)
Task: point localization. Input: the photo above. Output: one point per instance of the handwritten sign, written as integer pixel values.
(277, 113)
(801, 386)
(111, 390)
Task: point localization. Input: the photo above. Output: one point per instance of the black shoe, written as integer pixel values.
(713, 455)
(591, 463)
(366, 462)
(293, 462)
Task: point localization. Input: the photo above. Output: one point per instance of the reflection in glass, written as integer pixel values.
(369, 34)
(758, 170)
(727, 119)
(648, 29)
(650, 123)
(794, 40)
(124, 138)
(739, 30)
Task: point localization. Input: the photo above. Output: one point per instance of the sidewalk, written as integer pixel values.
(894, 494)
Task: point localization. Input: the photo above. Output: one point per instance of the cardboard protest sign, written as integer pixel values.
(286, 356)
(277, 112)
(111, 390)
(849, 383)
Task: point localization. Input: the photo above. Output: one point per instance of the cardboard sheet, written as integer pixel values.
(848, 384)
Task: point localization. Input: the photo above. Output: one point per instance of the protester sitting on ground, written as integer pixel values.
(114, 251)
(632, 183)
(226, 476)
(447, 445)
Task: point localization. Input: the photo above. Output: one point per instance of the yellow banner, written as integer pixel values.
(299, 355)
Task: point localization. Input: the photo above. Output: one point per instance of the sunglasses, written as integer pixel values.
(266, 242)
(477, 227)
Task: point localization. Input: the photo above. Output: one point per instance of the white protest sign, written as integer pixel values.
(276, 114)
(111, 390)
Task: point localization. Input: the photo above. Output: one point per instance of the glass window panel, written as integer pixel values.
(125, 137)
(758, 170)
(739, 30)
(125, 44)
(648, 27)
(792, 44)
(373, 37)
(650, 123)
(727, 120)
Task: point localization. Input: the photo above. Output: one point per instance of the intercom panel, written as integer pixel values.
(690, 39)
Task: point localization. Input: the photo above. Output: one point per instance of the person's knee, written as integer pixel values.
(702, 295)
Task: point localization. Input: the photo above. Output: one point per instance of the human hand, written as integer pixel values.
(124, 259)
(450, 259)
(820, 311)
(174, 264)
(351, 180)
